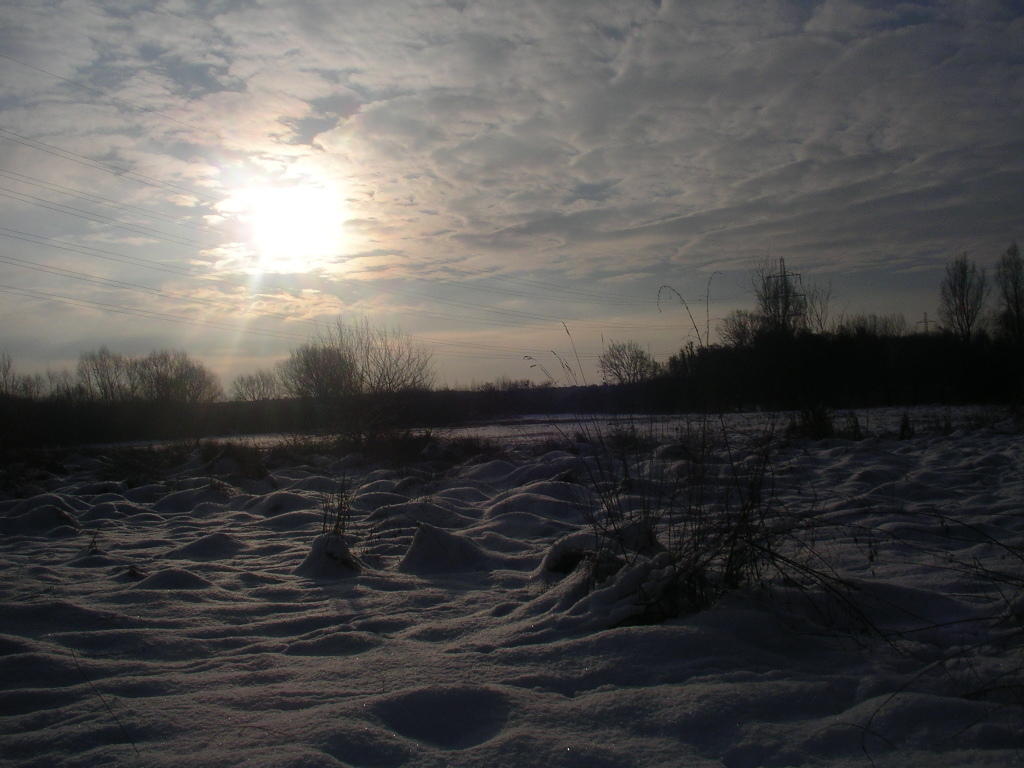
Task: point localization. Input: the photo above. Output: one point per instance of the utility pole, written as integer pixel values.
(787, 297)
(926, 322)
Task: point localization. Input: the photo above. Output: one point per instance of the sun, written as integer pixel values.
(292, 228)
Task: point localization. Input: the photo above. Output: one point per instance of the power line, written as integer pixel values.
(166, 316)
(137, 261)
(148, 231)
(562, 294)
(521, 315)
(97, 218)
(124, 173)
(112, 99)
(124, 285)
(125, 310)
(35, 181)
(87, 250)
(584, 294)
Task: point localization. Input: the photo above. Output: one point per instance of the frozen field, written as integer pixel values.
(194, 615)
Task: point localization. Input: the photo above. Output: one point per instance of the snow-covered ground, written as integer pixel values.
(194, 617)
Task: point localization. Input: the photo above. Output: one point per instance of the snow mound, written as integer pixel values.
(279, 503)
(420, 511)
(174, 578)
(490, 471)
(334, 644)
(537, 504)
(329, 558)
(189, 498)
(434, 550)
(112, 510)
(362, 744)
(47, 519)
(213, 546)
(292, 521)
(365, 501)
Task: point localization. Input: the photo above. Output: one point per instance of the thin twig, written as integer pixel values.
(104, 702)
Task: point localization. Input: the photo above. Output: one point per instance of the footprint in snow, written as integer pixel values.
(446, 717)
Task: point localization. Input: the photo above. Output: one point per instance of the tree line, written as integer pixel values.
(165, 376)
(787, 309)
(790, 350)
(354, 379)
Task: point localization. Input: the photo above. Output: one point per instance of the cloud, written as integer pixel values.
(616, 141)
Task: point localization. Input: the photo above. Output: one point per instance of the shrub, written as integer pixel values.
(906, 428)
(814, 422)
(699, 530)
(336, 508)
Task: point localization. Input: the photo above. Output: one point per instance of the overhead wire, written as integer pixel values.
(112, 99)
(138, 210)
(126, 310)
(123, 173)
(566, 290)
(97, 218)
(159, 234)
(138, 261)
(124, 285)
(88, 250)
(505, 353)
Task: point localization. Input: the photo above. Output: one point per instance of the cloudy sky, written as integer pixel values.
(226, 176)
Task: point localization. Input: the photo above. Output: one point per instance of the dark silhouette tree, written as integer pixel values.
(171, 376)
(1010, 285)
(818, 305)
(356, 359)
(321, 370)
(253, 387)
(962, 296)
(14, 384)
(626, 362)
(109, 377)
(739, 328)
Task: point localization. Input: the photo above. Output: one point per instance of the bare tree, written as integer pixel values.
(388, 361)
(739, 328)
(780, 300)
(170, 376)
(262, 385)
(819, 307)
(6, 374)
(14, 384)
(962, 296)
(356, 359)
(626, 362)
(104, 375)
(1010, 284)
(348, 361)
(891, 325)
(64, 385)
(321, 370)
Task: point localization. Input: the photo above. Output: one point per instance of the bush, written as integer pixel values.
(694, 530)
(814, 423)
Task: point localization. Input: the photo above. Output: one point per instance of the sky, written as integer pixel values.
(231, 177)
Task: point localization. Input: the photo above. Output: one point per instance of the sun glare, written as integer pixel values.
(292, 228)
